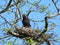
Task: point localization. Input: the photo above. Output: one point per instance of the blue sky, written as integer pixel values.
(36, 15)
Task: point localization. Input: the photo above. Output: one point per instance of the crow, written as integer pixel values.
(25, 21)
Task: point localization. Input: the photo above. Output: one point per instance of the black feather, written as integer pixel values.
(26, 21)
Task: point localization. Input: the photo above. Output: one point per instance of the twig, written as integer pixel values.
(55, 5)
(5, 37)
(7, 7)
(36, 20)
(45, 28)
(28, 13)
(54, 15)
(48, 42)
(5, 20)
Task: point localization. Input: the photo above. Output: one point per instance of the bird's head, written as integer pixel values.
(23, 17)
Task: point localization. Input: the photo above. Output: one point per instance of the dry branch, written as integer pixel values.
(7, 7)
(55, 5)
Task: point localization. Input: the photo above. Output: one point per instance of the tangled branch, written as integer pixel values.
(7, 7)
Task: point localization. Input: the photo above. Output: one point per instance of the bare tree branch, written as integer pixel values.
(54, 15)
(45, 28)
(55, 5)
(4, 37)
(28, 13)
(48, 42)
(5, 20)
(7, 7)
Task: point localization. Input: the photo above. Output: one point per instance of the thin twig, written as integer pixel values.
(7, 7)
(5, 37)
(48, 42)
(5, 20)
(45, 28)
(55, 5)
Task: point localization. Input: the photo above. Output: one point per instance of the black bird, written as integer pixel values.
(25, 21)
